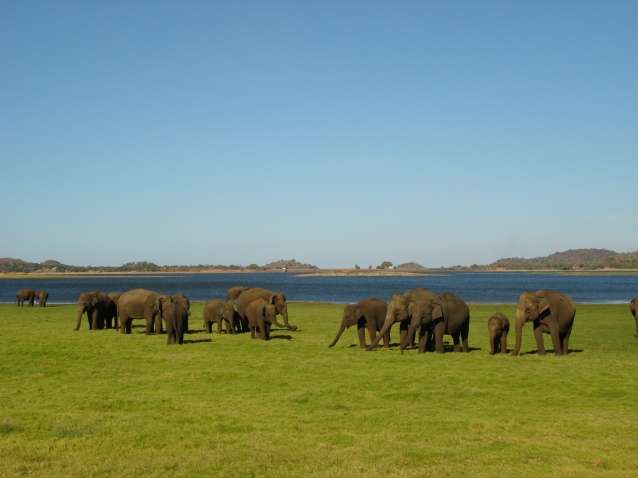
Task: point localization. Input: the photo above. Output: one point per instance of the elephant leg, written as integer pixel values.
(94, 320)
(372, 334)
(267, 327)
(538, 335)
(361, 333)
(565, 342)
(423, 342)
(456, 338)
(492, 344)
(386, 339)
(553, 330)
(504, 343)
(439, 329)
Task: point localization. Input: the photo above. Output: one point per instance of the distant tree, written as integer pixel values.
(385, 265)
(356, 266)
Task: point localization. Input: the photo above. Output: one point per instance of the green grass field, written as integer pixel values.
(103, 404)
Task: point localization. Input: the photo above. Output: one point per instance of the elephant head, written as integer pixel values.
(351, 316)
(531, 306)
(278, 300)
(87, 303)
(423, 313)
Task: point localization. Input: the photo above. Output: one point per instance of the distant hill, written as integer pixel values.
(573, 259)
(410, 266)
(289, 264)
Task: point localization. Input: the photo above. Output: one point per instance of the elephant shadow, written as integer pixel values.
(550, 351)
(196, 341)
(281, 337)
(196, 331)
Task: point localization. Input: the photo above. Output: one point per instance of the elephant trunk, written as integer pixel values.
(79, 318)
(409, 336)
(520, 321)
(338, 336)
(386, 326)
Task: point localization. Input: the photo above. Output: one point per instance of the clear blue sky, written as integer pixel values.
(332, 132)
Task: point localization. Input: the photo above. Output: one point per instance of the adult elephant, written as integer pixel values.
(552, 313)
(633, 306)
(275, 298)
(99, 309)
(182, 303)
(440, 315)
(366, 314)
(25, 295)
(399, 310)
(42, 296)
(139, 304)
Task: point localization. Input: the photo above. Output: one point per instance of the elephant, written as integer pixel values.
(174, 310)
(99, 308)
(552, 313)
(399, 311)
(498, 326)
(366, 314)
(275, 298)
(633, 306)
(261, 314)
(218, 311)
(443, 314)
(42, 297)
(25, 295)
(139, 304)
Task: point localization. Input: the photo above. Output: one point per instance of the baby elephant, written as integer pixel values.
(218, 311)
(260, 314)
(498, 326)
(174, 310)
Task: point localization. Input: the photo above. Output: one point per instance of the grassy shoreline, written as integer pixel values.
(103, 404)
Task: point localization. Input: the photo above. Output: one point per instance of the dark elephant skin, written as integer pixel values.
(398, 311)
(633, 306)
(115, 296)
(498, 326)
(174, 310)
(218, 311)
(42, 296)
(99, 308)
(25, 295)
(551, 313)
(139, 304)
(275, 298)
(367, 314)
(444, 314)
(261, 314)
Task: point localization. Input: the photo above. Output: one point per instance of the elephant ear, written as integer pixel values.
(544, 308)
(437, 311)
(94, 300)
(411, 308)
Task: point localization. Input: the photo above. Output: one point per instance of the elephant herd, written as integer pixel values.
(436, 315)
(255, 310)
(30, 296)
(244, 309)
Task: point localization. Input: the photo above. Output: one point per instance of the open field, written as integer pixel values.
(103, 404)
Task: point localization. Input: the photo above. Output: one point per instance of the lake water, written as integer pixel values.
(472, 287)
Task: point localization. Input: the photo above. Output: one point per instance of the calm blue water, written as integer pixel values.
(472, 287)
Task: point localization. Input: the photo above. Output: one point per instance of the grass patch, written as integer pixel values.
(103, 404)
